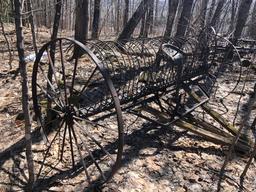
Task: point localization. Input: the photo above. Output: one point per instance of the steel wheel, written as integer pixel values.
(77, 107)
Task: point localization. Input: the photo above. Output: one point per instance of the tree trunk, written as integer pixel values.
(162, 11)
(81, 25)
(32, 25)
(133, 21)
(7, 42)
(184, 18)
(118, 7)
(25, 97)
(149, 18)
(96, 20)
(55, 29)
(143, 25)
(172, 9)
(211, 12)
(156, 13)
(232, 15)
(217, 13)
(252, 26)
(90, 14)
(126, 13)
(203, 12)
(243, 13)
(56, 22)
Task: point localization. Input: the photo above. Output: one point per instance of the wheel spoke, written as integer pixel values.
(54, 72)
(48, 148)
(92, 138)
(80, 154)
(87, 82)
(93, 159)
(63, 72)
(49, 96)
(71, 146)
(95, 124)
(63, 142)
(73, 77)
(50, 83)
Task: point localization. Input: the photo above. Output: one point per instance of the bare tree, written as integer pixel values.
(133, 21)
(203, 11)
(156, 12)
(172, 9)
(210, 13)
(56, 25)
(234, 5)
(7, 42)
(184, 18)
(243, 13)
(126, 12)
(118, 13)
(252, 26)
(81, 23)
(147, 20)
(150, 18)
(25, 97)
(32, 25)
(217, 13)
(96, 20)
(143, 25)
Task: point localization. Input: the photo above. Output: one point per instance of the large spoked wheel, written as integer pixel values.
(77, 107)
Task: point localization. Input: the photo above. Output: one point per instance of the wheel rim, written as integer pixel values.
(68, 96)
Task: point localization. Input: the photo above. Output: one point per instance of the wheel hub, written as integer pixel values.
(70, 112)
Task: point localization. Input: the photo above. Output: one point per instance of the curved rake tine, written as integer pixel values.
(95, 141)
(48, 149)
(80, 154)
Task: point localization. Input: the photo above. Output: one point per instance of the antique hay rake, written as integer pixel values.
(78, 101)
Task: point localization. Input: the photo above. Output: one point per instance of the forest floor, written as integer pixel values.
(155, 158)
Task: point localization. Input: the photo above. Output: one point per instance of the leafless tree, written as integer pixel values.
(210, 13)
(25, 97)
(126, 12)
(32, 25)
(133, 21)
(96, 20)
(7, 42)
(217, 13)
(243, 12)
(184, 18)
(203, 11)
(81, 23)
(234, 6)
(172, 9)
(252, 25)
